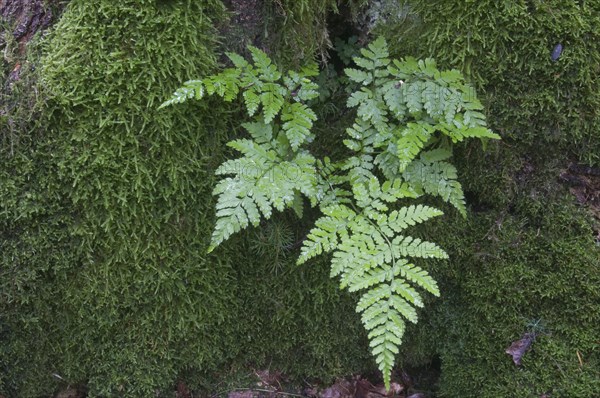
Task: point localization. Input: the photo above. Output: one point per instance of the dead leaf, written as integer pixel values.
(71, 392)
(310, 392)
(380, 391)
(182, 390)
(518, 348)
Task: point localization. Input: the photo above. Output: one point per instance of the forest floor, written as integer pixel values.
(274, 384)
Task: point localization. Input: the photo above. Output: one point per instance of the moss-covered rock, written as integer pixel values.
(506, 48)
(526, 255)
(106, 213)
(531, 270)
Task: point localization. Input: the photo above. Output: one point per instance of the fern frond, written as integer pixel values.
(272, 100)
(436, 178)
(370, 108)
(409, 216)
(377, 52)
(407, 246)
(408, 114)
(261, 181)
(394, 97)
(268, 72)
(261, 132)
(252, 101)
(327, 232)
(237, 60)
(359, 76)
(298, 120)
(420, 277)
(368, 254)
(412, 139)
(458, 131)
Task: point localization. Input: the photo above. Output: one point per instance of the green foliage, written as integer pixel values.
(301, 27)
(273, 170)
(505, 50)
(403, 108)
(262, 181)
(528, 251)
(292, 31)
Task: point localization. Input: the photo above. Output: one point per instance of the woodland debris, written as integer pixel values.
(518, 348)
(341, 389)
(242, 394)
(360, 388)
(71, 392)
(268, 379)
(584, 184)
(182, 390)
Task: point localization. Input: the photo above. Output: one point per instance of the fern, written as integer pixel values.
(261, 180)
(408, 115)
(298, 120)
(370, 253)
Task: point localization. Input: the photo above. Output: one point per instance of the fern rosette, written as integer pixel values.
(408, 115)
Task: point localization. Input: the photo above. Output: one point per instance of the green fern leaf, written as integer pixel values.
(252, 101)
(408, 114)
(412, 139)
(436, 178)
(395, 99)
(408, 216)
(268, 72)
(327, 232)
(421, 278)
(359, 76)
(459, 133)
(298, 120)
(261, 181)
(272, 100)
(262, 133)
(237, 60)
(377, 51)
(415, 247)
(193, 89)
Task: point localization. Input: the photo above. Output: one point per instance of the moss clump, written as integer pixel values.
(524, 260)
(509, 271)
(292, 32)
(104, 276)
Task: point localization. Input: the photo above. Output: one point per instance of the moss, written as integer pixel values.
(292, 32)
(526, 254)
(531, 268)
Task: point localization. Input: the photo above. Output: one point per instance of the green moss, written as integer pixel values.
(526, 253)
(536, 264)
(292, 32)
